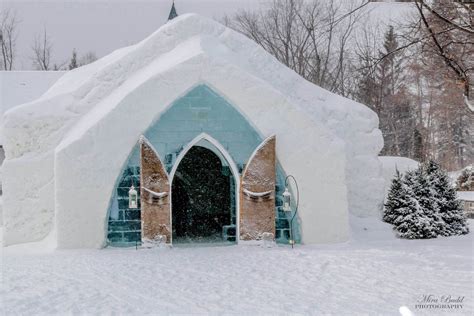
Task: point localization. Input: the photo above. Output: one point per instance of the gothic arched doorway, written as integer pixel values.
(203, 197)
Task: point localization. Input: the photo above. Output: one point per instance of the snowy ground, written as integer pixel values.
(373, 274)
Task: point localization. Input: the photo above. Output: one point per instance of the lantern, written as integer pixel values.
(287, 200)
(287, 205)
(132, 197)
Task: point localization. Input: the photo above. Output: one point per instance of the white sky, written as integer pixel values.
(100, 26)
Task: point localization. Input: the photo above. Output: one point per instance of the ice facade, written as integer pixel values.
(201, 110)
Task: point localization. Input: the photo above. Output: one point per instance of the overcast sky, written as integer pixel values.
(100, 26)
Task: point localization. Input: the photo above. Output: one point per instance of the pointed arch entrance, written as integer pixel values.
(204, 193)
(202, 112)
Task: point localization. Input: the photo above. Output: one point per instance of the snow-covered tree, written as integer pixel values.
(423, 204)
(396, 199)
(425, 196)
(411, 221)
(447, 205)
(465, 182)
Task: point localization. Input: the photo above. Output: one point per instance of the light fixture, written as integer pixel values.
(287, 205)
(286, 200)
(132, 197)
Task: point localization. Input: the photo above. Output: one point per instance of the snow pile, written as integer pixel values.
(391, 164)
(65, 150)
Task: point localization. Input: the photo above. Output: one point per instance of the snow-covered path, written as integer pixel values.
(359, 277)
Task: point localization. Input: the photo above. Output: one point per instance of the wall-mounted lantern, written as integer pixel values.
(286, 200)
(132, 197)
(287, 205)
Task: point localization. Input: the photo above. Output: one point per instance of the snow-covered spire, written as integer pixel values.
(173, 12)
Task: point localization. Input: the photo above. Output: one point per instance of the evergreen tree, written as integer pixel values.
(73, 64)
(444, 196)
(396, 199)
(426, 198)
(409, 221)
(415, 220)
(388, 71)
(465, 181)
(418, 145)
(398, 118)
(423, 204)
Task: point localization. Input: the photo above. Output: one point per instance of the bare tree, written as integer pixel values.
(450, 37)
(445, 30)
(310, 37)
(8, 36)
(42, 49)
(382, 85)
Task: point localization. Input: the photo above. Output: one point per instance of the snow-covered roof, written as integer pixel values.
(466, 195)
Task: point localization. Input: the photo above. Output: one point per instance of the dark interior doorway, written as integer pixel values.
(201, 198)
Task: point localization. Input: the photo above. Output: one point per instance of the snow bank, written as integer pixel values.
(74, 142)
(391, 164)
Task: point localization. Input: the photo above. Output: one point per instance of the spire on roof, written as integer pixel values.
(173, 12)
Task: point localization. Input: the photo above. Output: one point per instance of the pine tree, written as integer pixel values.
(409, 221)
(426, 198)
(444, 196)
(396, 112)
(416, 220)
(465, 182)
(418, 145)
(389, 68)
(73, 63)
(396, 199)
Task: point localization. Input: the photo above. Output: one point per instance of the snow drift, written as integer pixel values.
(65, 150)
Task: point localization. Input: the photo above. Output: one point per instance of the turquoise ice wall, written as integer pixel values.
(200, 111)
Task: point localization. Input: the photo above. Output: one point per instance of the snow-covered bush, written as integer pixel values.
(465, 181)
(423, 204)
